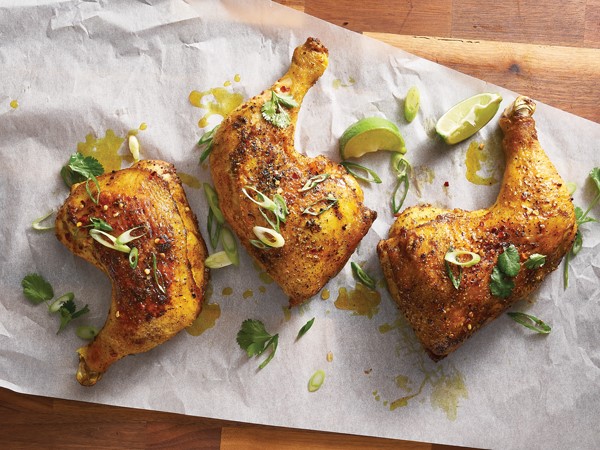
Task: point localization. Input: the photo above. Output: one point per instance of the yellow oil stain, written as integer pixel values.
(105, 149)
(248, 293)
(287, 313)
(143, 126)
(189, 180)
(403, 382)
(329, 356)
(361, 300)
(265, 278)
(14, 104)
(206, 320)
(227, 291)
(262, 289)
(216, 101)
(227, 83)
(447, 391)
(337, 83)
(237, 78)
(325, 294)
(479, 158)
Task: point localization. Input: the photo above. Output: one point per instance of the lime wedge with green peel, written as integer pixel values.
(467, 117)
(411, 104)
(369, 135)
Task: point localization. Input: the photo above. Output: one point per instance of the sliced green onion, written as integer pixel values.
(217, 260)
(214, 229)
(534, 261)
(157, 274)
(281, 210)
(126, 237)
(57, 304)
(37, 223)
(259, 244)
(362, 276)
(452, 258)
(316, 381)
(399, 194)
(99, 224)
(455, 280)
(206, 141)
(357, 171)
(578, 243)
(230, 246)
(261, 199)
(113, 244)
(274, 225)
(400, 165)
(87, 332)
(330, 201)
(531, 322)
(571, 187)
(213, 202)
(269, 237)
(133, 258)
(313, 181)
(89, 191)
(273, 344)
(305, 328)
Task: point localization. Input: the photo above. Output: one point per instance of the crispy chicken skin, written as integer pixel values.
(533, 212)
(148, 306)
(250, 151)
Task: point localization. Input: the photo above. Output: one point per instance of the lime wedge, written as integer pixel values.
(369, 135)
(467, 117)
(411, 104)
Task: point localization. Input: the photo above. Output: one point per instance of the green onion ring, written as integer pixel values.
(269, 237)
(452, 258)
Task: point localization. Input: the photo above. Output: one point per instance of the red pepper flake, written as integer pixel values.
(446, 184)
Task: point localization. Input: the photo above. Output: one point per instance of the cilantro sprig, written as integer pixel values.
(37, 290)
(83, 169)
(581, 218)
(506, 268)
(255, 340)
(274, 110)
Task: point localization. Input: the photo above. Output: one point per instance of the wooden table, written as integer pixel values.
(548, 50)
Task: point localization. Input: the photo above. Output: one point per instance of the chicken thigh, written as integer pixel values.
(253, 159)
(533, 212)
(156, 296)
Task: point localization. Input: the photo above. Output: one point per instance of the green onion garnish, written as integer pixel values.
(214, 229)
(206, 141)
(281, 210)
(362, 276)
(217, 260)
(133, 258)
(230, 246)
(329, 201)
(316, 381)
(87, 332)
(261, 199)
(37, 223)
(116, 243)
(361, 172)
(60, 301)
(453, 255)
(313, 181)
(213, 202)
(157, 274)
(402, 168)
(453, 279)
(531, 322)
(305, 328)
(269, 237)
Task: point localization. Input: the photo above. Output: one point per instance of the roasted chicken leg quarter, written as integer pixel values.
(160, 293)
(309, 211)
(533, 213)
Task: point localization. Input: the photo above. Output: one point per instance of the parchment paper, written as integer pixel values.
(73, 69)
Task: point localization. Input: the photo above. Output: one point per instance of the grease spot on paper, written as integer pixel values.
(218, 101)
(482, 164)
(361, 300)
(206, 320)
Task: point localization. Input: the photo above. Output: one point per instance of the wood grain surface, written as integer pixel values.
(546, 49)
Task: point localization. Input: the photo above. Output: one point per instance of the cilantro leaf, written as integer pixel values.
(500, 285)
(305, 328)
(36, 289)
(81, 168)
(535, 261)
(255, 339)
(508, 261)
(273, 110)
(595, 176)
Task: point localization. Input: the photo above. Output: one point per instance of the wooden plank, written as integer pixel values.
(564, 77)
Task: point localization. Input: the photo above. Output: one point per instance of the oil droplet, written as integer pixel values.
(325, 294)
(337, 83)
(248, 293)
(206, 320)
(265, 278)
(222, 103)
(189, 180)
(376, 396)
(143, 126)
(386, 327)
(403, 382)
(262, 289)
(361, 300)
(14, 104)
(287, 313)
(103, 149)
(227, 83)
(227, 291)
(446, 393)
(329, 356)
(478, 158)
(237, 78)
